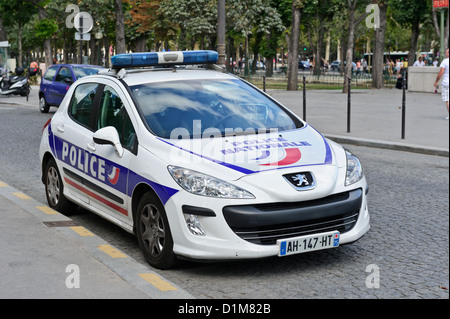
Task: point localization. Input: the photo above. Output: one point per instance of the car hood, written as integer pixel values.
(233, 157)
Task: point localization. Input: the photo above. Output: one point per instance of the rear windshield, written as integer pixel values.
(84, 71)
(204, 108)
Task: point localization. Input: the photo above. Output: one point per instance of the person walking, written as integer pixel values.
(444, 75)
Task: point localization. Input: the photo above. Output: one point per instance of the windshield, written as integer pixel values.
(204, 108)
(85, 71)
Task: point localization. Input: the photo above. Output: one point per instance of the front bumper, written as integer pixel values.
(251, 231)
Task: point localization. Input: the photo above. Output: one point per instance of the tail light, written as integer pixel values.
(46, 124)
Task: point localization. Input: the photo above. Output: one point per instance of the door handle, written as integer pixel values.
(91, 147)
(61, 128)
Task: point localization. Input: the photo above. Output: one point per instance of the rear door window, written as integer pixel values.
(50, 74)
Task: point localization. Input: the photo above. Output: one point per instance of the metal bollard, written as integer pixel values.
(264, 83)
(304, 98)
(349, 103)
(404, 105)
(27, 86)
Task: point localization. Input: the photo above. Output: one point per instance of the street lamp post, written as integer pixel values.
(442, 6)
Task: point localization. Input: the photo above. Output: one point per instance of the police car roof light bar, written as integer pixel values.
(129, 60)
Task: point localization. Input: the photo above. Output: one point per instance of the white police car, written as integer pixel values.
(199, 164)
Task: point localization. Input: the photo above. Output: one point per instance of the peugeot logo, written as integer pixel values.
(301, 181)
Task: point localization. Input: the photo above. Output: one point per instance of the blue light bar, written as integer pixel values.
(129, 60)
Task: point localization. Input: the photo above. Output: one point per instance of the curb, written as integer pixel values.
(389, 145)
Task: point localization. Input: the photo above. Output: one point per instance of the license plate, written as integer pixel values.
(302, 244)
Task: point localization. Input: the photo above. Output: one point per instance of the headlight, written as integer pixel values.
(205, 185)
(354, 169)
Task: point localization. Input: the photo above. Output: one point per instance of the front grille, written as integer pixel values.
(265, 224)
(341, 223)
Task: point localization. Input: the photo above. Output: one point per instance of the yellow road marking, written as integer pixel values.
(111, 251)
(21, 195)
(156, 281)
(80, 230)
(47, 210)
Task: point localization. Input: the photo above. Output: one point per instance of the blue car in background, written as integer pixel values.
(57, 80)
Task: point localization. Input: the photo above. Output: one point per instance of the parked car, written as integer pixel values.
(303, 65)
(335, 65)
(57, 80)
(198, 164)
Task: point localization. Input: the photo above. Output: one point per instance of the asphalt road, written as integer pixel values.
(404, 255)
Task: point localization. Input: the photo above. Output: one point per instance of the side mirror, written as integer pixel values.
(68, 80)
(109, 135)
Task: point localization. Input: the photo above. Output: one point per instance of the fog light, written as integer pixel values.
(193, 224)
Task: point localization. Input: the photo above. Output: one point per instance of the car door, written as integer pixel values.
(112, 176)
(73, 132)
(47, 82)
(63, 80)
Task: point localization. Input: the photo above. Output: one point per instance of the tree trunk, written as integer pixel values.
(256, 46)
(269, 66)
(20, 57)
(350, 45)
(415, 31)
(3, 36)
(140, 43)
(47, 43)
(292, 70)
(318, 58)
(120, 28)
(353, 22)
(378, 54)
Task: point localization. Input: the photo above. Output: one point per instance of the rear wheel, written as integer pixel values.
(54, 189)
(153, 232)
(43, 106)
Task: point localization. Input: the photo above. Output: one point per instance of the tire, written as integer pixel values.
(25, 91)
(153, 232)
(54, 189)
(43, 105)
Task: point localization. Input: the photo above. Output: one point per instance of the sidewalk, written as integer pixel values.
(44, 255)
(40, 247)
(376, 118)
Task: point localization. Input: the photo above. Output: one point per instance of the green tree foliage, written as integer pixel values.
(45, 28)
(411, 14)
(16, 14)
(256, 29)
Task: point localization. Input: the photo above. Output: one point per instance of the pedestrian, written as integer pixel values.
(419, 63)
(399, 83)
(364, 65)
(398, 66)
(389, 67)
(443, 74)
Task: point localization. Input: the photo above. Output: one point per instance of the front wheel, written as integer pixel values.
(153, 232)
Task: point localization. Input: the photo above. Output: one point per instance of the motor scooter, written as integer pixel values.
(16, 84)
